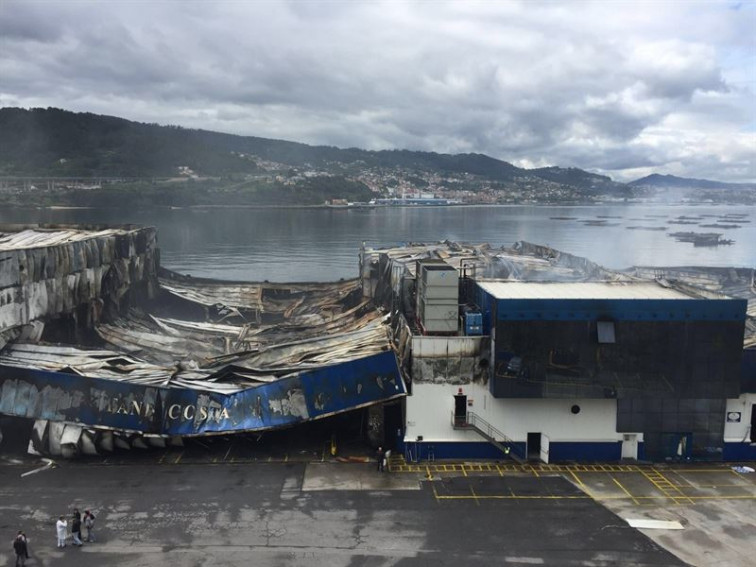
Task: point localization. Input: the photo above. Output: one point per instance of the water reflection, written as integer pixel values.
(322, 244)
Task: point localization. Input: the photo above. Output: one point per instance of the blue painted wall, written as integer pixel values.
(739, 452)
(585, 452)
(313, 394)
(558, 452)
(621, 309)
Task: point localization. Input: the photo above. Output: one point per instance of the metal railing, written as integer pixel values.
(474, 421)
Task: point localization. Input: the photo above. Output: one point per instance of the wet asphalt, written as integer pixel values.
(309, 514)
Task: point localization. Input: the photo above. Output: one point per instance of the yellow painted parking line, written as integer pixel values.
(178, 458)
(664, 486)
(501, 473)
(718, 486)
(741, 477)
(514, 497)
(624, 489)
(700, 470)
(464, 471)
(580, 497)
(577, 479)
(535, 472)
(477, 502)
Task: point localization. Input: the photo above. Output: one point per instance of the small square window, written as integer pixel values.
(605, 332)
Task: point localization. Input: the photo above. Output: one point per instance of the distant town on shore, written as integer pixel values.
(52, 157)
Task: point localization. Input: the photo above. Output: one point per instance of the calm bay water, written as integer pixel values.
(323, 244)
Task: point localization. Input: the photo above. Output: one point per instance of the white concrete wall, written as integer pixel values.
(430, 407)
(434, 347)
(738, 432)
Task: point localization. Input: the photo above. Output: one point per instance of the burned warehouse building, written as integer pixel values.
(448, 350)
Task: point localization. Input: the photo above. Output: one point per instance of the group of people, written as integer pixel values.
(21, 542)
(383, 457)
(77, 521)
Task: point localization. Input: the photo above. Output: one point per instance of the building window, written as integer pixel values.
(605, 332)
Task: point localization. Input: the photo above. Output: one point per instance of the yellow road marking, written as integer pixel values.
(661, 482)
(580, 482)
(178, 458)
(474, 495)
(740, 476)
(624, 489)
(585, 497)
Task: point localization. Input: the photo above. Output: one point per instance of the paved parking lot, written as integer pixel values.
(642, 485)
(714, 504)
(314, 514)
(233, 502)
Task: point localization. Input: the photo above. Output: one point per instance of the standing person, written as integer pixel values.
(61, 527)
(76, 527)
(380, 459)
(26, 541)
(89, 519)
(19, 546)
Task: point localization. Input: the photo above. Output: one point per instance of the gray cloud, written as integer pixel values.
(619, 88)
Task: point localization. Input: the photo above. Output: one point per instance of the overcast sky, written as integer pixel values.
(622, 88)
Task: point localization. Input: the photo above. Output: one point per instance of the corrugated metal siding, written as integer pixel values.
(423, 346)
(58, 396)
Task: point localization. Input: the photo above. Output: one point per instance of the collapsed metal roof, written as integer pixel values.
(18, 237)
(383, 271)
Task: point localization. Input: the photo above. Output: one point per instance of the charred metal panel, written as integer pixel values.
(48, 271)
(748, 380)
(621, 310)
(665, 421)
(58, 396)
(665, 359)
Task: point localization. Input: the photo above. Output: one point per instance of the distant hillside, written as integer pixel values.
(55, 142)
(672, 182)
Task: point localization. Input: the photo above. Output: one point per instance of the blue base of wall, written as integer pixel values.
(585, 451)
(558, 452)
(739, 452)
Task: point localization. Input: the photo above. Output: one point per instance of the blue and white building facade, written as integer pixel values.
(586, 371)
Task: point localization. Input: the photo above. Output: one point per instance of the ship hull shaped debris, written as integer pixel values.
(110, 404)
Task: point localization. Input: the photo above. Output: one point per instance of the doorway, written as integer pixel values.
(753, 423)
(630, 446)
(534, 446)
(392, 424)
(460, 409)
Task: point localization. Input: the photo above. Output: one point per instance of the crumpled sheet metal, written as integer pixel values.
(266, 297)
(48, 271)
(120, 405)
(166, 341)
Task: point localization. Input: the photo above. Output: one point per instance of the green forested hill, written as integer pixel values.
(57, 142)
(227, 169)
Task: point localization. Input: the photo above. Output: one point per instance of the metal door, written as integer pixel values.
(544, 448)
(630, 446)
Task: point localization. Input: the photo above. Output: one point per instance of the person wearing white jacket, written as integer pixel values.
(62, 527)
